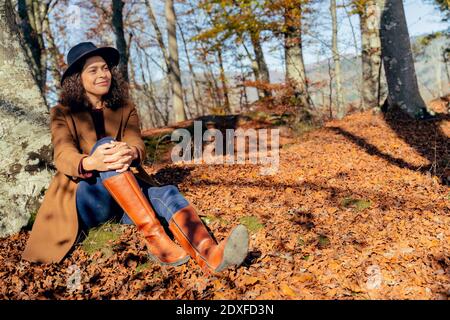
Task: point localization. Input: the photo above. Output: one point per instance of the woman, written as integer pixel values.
(97, 142)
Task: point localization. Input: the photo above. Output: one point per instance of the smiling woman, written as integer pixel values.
(96, 138)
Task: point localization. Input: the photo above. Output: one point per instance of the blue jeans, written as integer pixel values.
(95, 205)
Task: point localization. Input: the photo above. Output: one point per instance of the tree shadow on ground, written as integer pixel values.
(426, 137)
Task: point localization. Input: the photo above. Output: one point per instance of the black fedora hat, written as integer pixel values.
(84, 50)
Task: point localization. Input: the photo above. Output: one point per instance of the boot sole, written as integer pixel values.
(236, 248)
(173, 264)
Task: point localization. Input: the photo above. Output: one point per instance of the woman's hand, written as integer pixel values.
(96, 161)
(120, 156)
(115, 155)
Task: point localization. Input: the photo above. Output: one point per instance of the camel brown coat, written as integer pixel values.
(55, 229)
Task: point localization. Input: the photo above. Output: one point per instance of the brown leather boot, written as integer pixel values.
(126, 191)
(189, 230)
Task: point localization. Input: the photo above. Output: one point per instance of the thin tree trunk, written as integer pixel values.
(263, 70)
(26, 163)
(337, 62)
(357, 52)
(213, 86)
(398, 61)
(255, 68)
(187, 107)
(55, 55)
(330, 88)
(224, 82)
(194, 81)
(32, 14)
(175, 73)
(370, 16)
(121, 43)
(159, 36)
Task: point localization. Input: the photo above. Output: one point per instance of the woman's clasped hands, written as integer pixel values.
(116, 155)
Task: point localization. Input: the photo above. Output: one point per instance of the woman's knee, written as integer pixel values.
(101, 141)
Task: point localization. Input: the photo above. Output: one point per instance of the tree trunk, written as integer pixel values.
(194, 80)
(25, 144)
(223, 79)
(32, 14)
(174, 74)
(255, 69)
(398, 61)
(293, 51)
(56, 58)
(263, 70)
(370, 16)
(337, 62)
(357, 52)
(121, 43)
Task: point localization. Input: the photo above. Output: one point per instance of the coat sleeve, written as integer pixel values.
(66, 155)
(132, 136)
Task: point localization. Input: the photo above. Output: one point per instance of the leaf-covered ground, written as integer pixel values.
(359, 209)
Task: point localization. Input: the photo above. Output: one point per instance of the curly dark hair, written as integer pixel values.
(74, 96)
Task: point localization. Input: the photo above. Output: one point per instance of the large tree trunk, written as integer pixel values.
(26, 161)
(337, 62)
(398, 61)
(121, 43)
(175, 73)
(370, 16)
(293, 51)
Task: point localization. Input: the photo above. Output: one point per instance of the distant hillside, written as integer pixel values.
(429, 67)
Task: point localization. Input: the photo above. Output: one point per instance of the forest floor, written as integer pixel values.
(359, 209)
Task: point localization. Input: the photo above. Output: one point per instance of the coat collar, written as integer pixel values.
(85, 124)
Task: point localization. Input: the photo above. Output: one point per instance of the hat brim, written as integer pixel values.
(110, 54)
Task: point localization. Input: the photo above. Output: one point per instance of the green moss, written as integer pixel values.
(252, 223)
(210, 219)
(358, 204)
(102, 239)
(142, 267)
(324, 241)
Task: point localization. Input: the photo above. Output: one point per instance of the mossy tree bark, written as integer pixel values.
(25, 144)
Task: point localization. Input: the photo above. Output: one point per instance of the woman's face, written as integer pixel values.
(96, 76)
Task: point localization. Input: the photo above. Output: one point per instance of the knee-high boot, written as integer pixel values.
(189, 230)
(126, 191)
